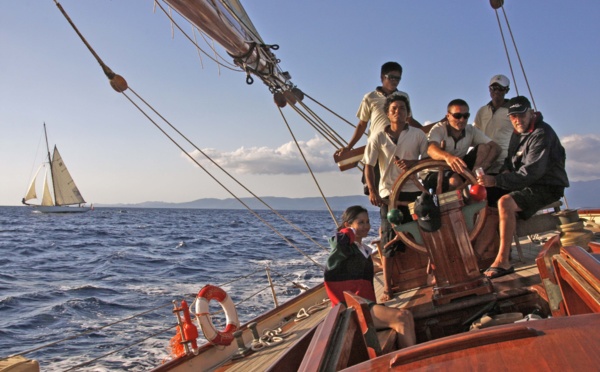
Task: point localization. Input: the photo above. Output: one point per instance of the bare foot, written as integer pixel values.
(386, 296)
(406, 330)
(430, 279)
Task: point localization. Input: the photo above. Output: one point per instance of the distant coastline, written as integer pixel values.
(337, 203)
(581, 194)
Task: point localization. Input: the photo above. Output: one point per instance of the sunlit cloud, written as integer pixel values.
(582, 158)
(582, 162)
(284, 160)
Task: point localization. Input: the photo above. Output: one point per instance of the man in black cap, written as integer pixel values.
(533, 176)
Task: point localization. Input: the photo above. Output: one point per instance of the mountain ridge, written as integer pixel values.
(579, 195)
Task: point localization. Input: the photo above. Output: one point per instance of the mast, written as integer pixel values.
(49, 162)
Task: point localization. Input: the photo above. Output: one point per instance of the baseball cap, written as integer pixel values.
(500, 80)
(518, 105)
(428, 212)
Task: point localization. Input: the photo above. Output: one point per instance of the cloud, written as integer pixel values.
(582, 156)
(284, 160)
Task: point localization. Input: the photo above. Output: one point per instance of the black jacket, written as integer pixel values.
(535, 158)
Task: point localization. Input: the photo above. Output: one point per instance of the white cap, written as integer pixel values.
(500, 80)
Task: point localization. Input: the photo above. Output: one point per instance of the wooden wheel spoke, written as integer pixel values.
(411, 175)
(415, 181)
(463, 186)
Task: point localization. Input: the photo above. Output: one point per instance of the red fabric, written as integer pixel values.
(349, 232)
(360, 287)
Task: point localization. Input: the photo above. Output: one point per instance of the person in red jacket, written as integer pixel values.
(350, 268)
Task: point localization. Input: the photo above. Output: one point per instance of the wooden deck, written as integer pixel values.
(526, 270)
(512, 293)
(267, 358)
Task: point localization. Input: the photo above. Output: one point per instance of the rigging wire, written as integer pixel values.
(290, 223)
(235, 68)
(512, 73)
(329, 110)
(308, 166)
(273, 228)
(111, 75)
(141, 314)
(517, 54)
(519, 57)
(81, 334)
(165, 330)
(250, 31)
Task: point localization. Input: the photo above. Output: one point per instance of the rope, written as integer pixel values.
(320, 128)
(239, 278)
(119, 349)
(200, 54)
(303, 314)
(107, 71)
(192, 41)
(519, 57)
(332, 112)
(308, 166)
(211, 175)
(110, 74)
(290, 223)
(512, 73)
(89, 331)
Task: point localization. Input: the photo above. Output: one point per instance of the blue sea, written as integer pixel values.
(65, 280)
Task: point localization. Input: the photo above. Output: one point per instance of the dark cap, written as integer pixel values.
(428, 212)
(518, 105)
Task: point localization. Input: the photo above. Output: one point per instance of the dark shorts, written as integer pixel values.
(430, 181)
(377, 178)
(532, 199)
(387, 231)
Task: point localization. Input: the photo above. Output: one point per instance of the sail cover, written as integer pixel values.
(65, 190)
(226, 22)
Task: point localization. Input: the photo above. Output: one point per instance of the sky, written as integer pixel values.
(333, 50)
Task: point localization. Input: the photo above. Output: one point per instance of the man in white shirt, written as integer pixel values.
(492, 119)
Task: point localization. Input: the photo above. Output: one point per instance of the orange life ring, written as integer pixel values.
(205, 295)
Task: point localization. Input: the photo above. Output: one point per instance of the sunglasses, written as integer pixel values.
(498, 88)
(393, 77)
(458, 115)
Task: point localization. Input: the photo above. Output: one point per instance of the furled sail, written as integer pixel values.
(65, 190)
(226, 22)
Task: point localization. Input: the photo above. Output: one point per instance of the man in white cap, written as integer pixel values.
(492, 119)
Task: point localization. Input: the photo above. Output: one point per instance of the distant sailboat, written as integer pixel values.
(61, 195)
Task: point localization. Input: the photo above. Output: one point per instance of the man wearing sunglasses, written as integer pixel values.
(533, 176)
(371, 106)
(371, 109)
(493, 119)
(458, 137)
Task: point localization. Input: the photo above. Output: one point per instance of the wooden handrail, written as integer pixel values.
(461, 342)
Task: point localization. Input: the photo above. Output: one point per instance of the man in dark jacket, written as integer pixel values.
(533, 176)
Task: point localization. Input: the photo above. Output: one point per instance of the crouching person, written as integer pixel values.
(350, 268)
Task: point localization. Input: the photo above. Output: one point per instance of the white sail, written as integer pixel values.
(65, 190)
(47, 197)
(31, 194)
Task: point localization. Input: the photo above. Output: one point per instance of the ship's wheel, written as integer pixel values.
(478, 210)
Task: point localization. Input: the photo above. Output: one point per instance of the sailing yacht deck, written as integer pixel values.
(512, 293)
(525, 270)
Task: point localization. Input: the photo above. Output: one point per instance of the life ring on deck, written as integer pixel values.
(205, 295)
